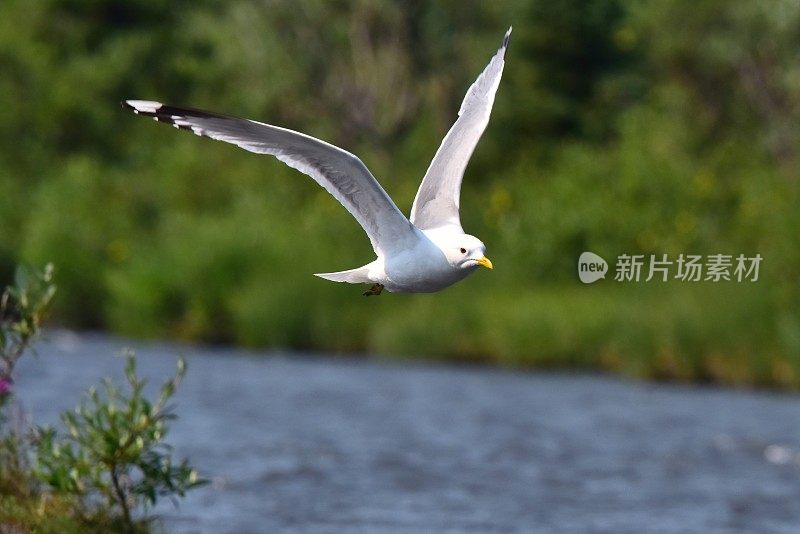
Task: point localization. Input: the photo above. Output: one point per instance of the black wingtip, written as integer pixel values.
(507, 37)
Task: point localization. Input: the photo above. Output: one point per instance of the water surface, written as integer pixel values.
(318, 444)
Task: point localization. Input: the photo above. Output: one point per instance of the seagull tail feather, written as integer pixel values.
(353, 276)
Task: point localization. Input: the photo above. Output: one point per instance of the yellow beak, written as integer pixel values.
(486, 262)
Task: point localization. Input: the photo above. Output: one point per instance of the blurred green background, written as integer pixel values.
(619, 127)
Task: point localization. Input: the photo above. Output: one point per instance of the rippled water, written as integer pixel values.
(329, 445)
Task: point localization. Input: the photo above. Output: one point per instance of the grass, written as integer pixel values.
(729, 333)
(688, 333)
(46, 513)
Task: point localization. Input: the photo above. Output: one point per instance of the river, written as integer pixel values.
(316, 443)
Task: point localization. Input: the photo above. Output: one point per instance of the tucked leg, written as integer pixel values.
(374, 290)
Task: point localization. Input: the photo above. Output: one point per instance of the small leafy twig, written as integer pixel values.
(114, 449)
(22, 308)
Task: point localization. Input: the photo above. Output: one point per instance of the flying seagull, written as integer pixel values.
(423, 254)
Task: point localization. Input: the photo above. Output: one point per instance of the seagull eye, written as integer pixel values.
(463, 251)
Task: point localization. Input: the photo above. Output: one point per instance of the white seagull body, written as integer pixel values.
(423, 254)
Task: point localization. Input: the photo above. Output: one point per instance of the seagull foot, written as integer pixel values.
(374, 290)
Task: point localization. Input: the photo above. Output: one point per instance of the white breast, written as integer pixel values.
(424, 269)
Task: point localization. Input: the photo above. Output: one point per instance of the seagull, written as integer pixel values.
(422, 254)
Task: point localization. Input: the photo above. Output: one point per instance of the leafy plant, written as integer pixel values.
(114, 451)
(22, 308)
(113, 459)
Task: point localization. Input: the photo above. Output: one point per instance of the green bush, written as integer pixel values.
(114, 449)
(112, 464)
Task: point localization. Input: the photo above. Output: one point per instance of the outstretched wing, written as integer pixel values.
(341, 173)
(437, 200)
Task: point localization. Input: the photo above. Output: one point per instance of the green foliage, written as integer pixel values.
(47, 514)
(103, 474)
(619, 127)
(22, 308)
(114, 448)
(113, 459)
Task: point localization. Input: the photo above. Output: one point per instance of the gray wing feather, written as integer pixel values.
(341, 173)
(437, 200)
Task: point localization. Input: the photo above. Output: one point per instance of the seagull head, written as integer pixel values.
(466, 252)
